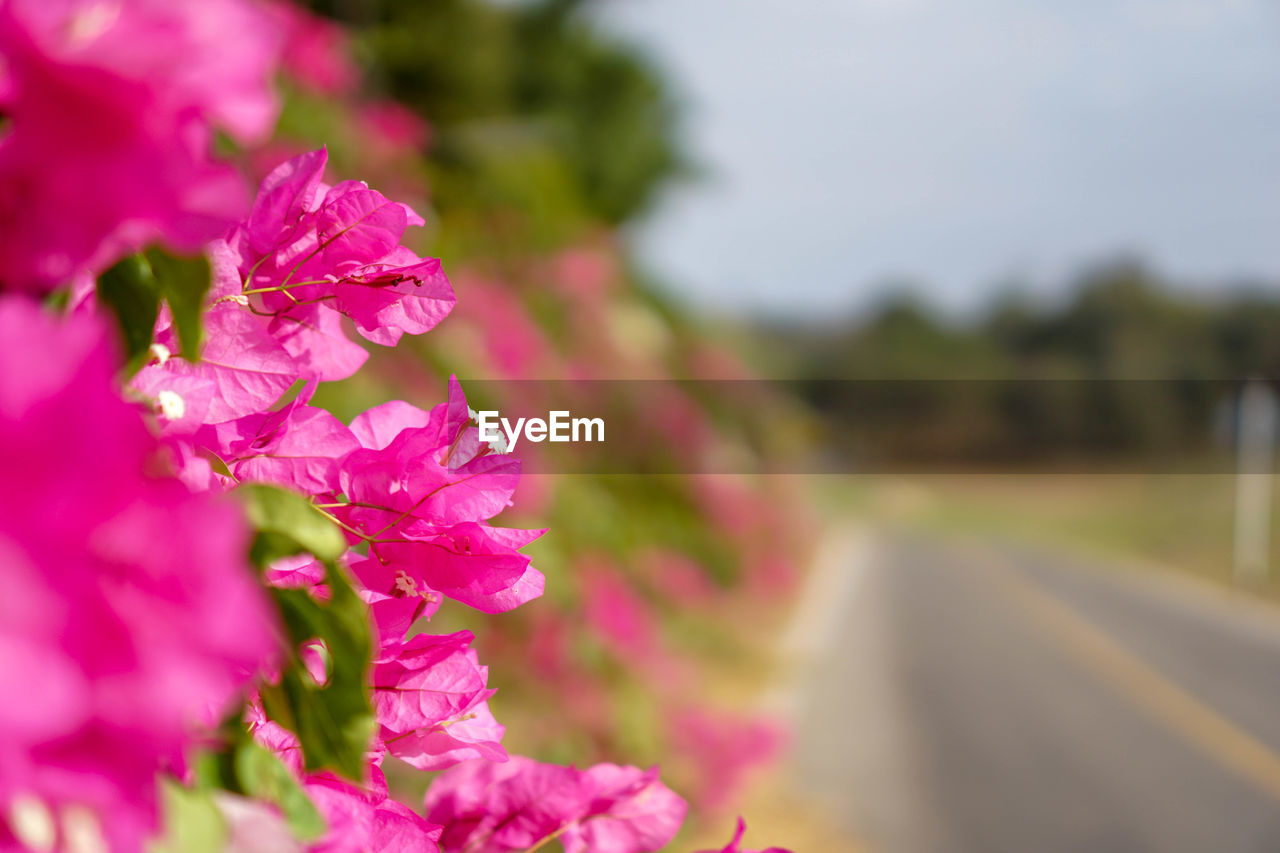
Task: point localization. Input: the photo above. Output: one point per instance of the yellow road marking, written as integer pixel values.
(1178, 710)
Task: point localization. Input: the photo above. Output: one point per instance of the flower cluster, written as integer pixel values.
(110, 112)
(308, 246)
(130, 612)
(283, 279)
(487, 807)
(134, 630)
(413, 490)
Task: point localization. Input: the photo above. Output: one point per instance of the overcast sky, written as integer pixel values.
(962, 143)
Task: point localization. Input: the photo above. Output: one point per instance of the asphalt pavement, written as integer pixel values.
(978, 697)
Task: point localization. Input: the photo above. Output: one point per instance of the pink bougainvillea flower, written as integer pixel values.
(440, 483)
(300, 571)
(222, 402)
(475, 564)
(769, 573)
(488, 807)
(395, 600)
(367, 819)
(585, 273)
(243, 370)
(317, 51)
(297, 446)
(678, 578)
(733, 845)
(629, 811)
(724, 749)
(421, 489)
(308, 246)
(617, 616)
(391, 129)
(729, 504)
(361, 818)
(312, 337)
(307, 255)
(110, 109)
(131, 614)
(274, 737)
(429, 697)
(441, 473)
(377, 427)
(215, 59)
(506, 338)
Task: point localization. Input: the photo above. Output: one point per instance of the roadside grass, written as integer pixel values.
(743, 676)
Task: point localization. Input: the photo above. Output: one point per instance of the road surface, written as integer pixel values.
(979, 698)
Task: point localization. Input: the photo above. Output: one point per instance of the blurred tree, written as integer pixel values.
(529, 79)
(1128, 366)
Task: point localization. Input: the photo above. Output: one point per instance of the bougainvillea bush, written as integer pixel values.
(213, 588)
(528, 161)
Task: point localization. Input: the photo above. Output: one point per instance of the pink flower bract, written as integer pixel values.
(429, 697)
(297, 446)
(489, 807)
(422, 489)
(130, 614)
(367, 820)
(309, 247)
(317, 52)
(733, 845)
(111, 108)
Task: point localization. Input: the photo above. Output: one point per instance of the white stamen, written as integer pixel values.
(81, 831)
(32, 823)
(172, 406)
(87, 24)
(239, 299)
(160, 353)
(500, 443)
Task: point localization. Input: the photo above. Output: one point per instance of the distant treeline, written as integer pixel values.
(1127, 369)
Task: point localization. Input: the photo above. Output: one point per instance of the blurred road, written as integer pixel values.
(968, 696)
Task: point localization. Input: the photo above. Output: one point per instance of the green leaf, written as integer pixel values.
(208, 770)
(183, 283)
(288, 523)
(192, 822)
(263, 777)
(333, 721)
(215, 462)
(130, 290)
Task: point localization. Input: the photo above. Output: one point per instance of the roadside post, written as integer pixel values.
(1256, 423)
